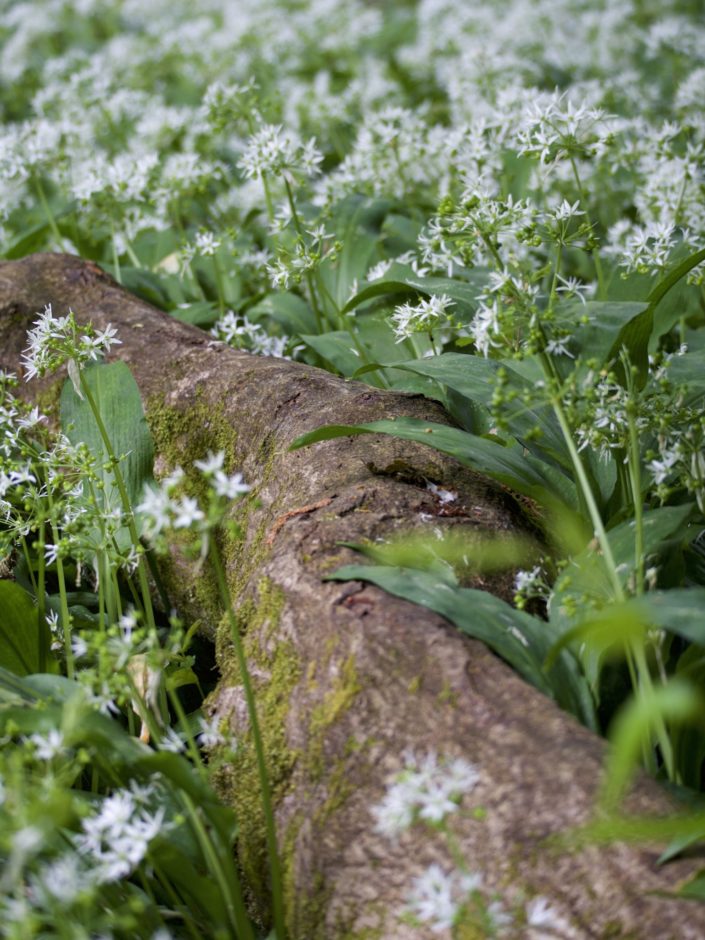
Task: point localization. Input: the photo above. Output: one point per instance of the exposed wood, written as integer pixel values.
(349, 677)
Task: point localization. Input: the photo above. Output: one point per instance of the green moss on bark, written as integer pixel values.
(336, 701)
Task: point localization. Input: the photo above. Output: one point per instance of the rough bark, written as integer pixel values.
(349, 677)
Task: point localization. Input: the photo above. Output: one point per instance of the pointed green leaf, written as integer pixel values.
(509, 465)
(522, 640)
(19, 630)
(118, 401)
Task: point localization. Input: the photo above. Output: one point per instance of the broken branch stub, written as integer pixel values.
(349, 677)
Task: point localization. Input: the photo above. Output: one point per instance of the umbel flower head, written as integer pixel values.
(164, 511)
(427, 789)
(56, 340)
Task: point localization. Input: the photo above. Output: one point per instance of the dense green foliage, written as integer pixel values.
(498, 204)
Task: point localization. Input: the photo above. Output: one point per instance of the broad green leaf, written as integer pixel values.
(287, 309)
(463, 293)
(203, 313)
(608, 828)
(119, 404)
(678, 611)
(695, 888)
(35, 237)
(679, 845)
(587, 574)
(634, 338)
(522, 640)
(583, 606)
(19, 630)
(473, 377)
(145, 284)
(33, 687)
(456, 550)
(400, 233)
(337, 348)
(673, 277)
(201, 891)
(508, 465)
(356, 223)
(605, 331)
(689, 371)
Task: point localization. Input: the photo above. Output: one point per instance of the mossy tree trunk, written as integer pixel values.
(349, 677)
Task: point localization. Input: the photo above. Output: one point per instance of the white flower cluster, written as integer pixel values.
(116, 839)
(437, 896)
(55, 340)
(427, 789)
(241, 333)
(425, 316)
(162, 510)
(272, 150)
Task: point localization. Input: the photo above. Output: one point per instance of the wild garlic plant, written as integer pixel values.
(431, 791)
(501, 206)
(110, 824)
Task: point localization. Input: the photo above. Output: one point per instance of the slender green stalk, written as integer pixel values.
(116, 259)
(637, 501)
(646, 689)
(229, 887)
(455, 848)
(65, 617)
(178, 904)
(267, 806)
(554, 281)
(193, 751)
(220, 284)
(26, 555)
(131, 253)
(43, 646)
(48, 213)
(268, 198)
(586, 489)
(601, 287)
(309, 277)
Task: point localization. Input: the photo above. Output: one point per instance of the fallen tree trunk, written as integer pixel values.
(349, 677)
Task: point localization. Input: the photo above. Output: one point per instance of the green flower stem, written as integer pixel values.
(454, 847)
(42, 629)
(641, 676)
(101, 597)
(101, 562)
(65, 617)
(39, 189)
(219, 283)
(586, 489)
(127, 508)
(116, 259)
(637, 501)
(265, 791)
(193, 751)
(229, 887)
(26, 555)
(309, 277)
(177, 903)
(63, 600)
(601, 288)
(554, 281)
(131, 253)
(268, 198)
